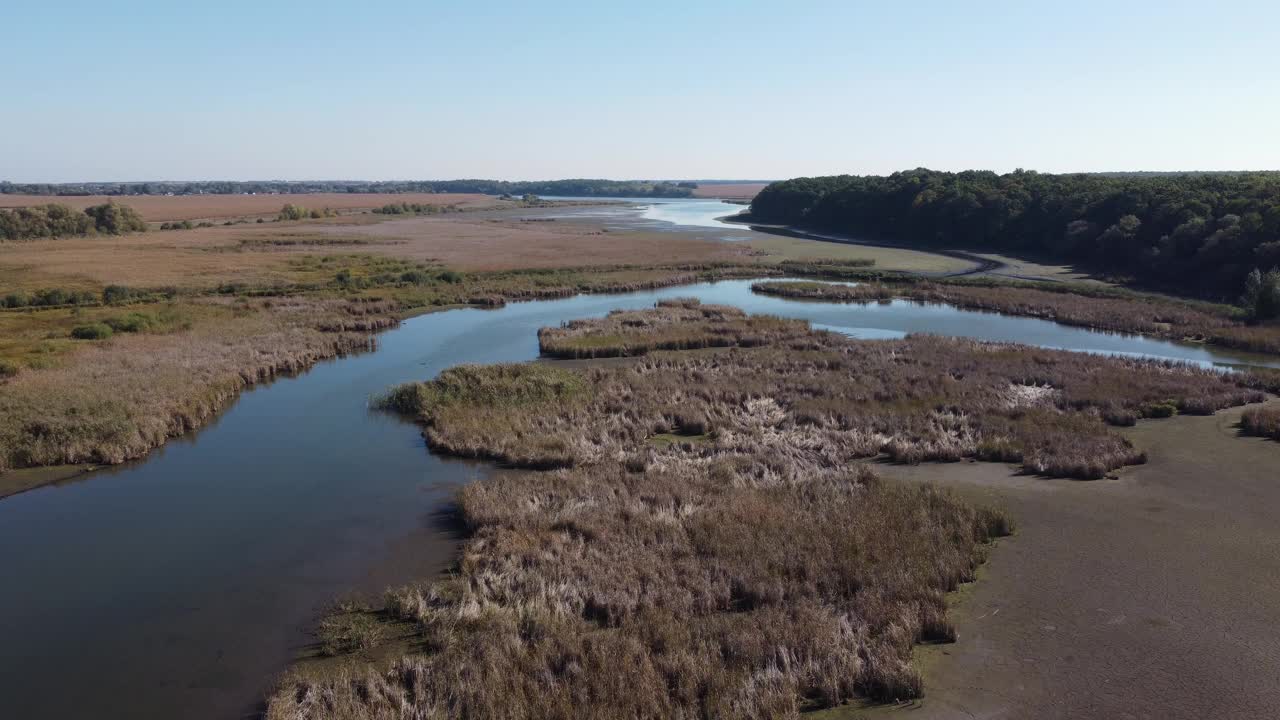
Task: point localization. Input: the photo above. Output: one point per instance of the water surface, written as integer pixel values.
(177, 586)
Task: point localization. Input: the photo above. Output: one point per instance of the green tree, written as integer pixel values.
(1262, 294)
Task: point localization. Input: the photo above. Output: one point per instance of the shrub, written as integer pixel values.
(293, 212)
(133, 322)
(1262, 422)
(16, 300)
(8, 369)
(112, 219)
(95, 331)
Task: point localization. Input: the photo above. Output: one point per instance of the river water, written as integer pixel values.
(659, 214)
(177, 586)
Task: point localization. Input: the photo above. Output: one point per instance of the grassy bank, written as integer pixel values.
(110, 379)
(116, 397)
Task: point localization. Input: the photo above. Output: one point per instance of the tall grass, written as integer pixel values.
(116, 399)
(920, 399)
(1262, 421)
(759, 571)
(1114, 310)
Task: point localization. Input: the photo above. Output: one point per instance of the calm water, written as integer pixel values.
(663, 214)
(176, 586)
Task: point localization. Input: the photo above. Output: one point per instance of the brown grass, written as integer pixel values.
(745, 566)
(728, 582)
(1097, 308)
(159, 208)
(920, 399)
(260, 254)
(1262, 421)
(684, 324)
(116, 399)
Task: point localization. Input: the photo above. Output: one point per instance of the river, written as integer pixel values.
(177, 586)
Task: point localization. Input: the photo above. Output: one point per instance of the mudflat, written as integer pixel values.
(1154, 595)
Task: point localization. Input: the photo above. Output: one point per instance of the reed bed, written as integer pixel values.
(1116, 311)
(924, 398)
(683, 324)
(117, 399)
(1262, 422)
(748, 565)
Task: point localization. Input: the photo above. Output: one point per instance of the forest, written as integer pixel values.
(578, 187)
(1194, 233)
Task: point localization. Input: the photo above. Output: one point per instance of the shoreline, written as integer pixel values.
(981, 264)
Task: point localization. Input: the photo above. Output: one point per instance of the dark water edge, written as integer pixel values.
(180, 585)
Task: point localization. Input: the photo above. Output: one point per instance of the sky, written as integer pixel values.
(150, 90)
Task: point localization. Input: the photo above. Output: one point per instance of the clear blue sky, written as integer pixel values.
(524, 90)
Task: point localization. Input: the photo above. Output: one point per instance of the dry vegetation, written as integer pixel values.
(701, 540)
(117, 398)
(918, 399)
(158, 208)
(1088, 306)
(1261, 421)
(736, 580)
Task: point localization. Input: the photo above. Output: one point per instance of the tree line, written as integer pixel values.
(55, 220)
(577, 187)
(1197, 233)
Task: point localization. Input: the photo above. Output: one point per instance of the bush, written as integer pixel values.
(293, 212)
(113, 219)
(1159, 410)
(49, 297)
(95, 331)
(8, 369)
(16, 300)
(1262, 422)
(133, 322)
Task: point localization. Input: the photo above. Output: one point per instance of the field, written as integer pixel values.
(160, 208)
(260, 255)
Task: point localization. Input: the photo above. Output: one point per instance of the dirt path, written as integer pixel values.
(1156, 595)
